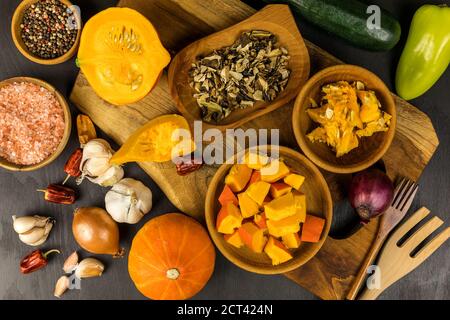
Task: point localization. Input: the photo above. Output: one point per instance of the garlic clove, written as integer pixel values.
(33, 236)
(97, 148)
(88, 268)
(71, 263)
(61, 286)
(96, 155)
(39, 242)
(110, 177)
(145, 199)
(95, 167)
(26, 223)
(37, 235)
(134, 215)
(23, 224)
(47, 228)
(95, 163)
(143, 195)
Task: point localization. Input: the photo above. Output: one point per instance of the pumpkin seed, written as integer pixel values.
(124, 39)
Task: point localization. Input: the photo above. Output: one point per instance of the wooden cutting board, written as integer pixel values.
(179, 22)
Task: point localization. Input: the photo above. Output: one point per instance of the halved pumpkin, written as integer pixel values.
(121, 55)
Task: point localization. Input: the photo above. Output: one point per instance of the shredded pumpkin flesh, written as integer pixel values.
(347, 112)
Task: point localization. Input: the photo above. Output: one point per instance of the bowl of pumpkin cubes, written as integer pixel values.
(269, 210)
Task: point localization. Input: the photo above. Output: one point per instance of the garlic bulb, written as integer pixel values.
(128, 201)
(95, 163)
(33, 230)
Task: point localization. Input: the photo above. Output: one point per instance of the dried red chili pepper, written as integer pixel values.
(59, 194)
(188, 164)
(35, 260)
(72, 166)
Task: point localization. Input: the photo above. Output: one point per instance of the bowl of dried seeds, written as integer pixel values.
(46, 31)
(242, 72)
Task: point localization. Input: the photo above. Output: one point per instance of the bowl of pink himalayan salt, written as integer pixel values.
(35, 124)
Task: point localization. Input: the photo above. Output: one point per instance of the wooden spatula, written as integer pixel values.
(396, 261)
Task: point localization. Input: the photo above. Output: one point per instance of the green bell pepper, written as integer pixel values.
(427, 51)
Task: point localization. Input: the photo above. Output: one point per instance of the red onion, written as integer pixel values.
(371, 193)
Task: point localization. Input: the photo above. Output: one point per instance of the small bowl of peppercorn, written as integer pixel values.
(46, 31)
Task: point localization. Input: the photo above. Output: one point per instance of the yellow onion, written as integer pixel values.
(96, 232)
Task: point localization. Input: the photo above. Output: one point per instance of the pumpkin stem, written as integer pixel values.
(173, 274)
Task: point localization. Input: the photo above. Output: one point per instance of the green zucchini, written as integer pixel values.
(348, 19)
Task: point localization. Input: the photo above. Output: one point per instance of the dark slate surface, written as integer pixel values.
(18, 196)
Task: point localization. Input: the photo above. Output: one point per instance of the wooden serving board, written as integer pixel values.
(179, 22)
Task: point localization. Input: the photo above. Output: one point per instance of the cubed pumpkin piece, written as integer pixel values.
(300, 205)
(294, 180)
(234, 239)
(256, 176)
(267, 199)
(227, 196)
(291, 241)
(256, 160)
(252, 236)
(261, 221)
(276, 251)
(281, 207)
(258, 191)
(248, 206)
(274, 171)
(238, 177)
(279, 189)
(228, 219)
(312, 228)
(285, 226)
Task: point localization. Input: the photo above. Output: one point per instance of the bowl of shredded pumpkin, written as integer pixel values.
(344, 119)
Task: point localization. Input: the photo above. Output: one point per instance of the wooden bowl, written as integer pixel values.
(274, 18)
(15, 32)
(370, 149)
(67, 122)
(319, 203)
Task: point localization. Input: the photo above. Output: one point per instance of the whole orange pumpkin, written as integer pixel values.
(171, 258)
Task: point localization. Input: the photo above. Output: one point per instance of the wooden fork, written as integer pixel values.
(396, 261)
(403, 196)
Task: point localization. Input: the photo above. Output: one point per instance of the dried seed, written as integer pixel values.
(329, 113)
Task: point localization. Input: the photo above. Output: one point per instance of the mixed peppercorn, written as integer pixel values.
(49, 28)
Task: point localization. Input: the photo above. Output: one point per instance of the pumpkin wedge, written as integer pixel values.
(159, 140)
(121, 55)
